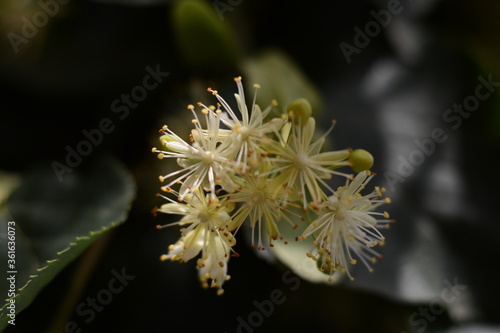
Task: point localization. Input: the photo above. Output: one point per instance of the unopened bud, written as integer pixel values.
(300, 108)
(360, 160)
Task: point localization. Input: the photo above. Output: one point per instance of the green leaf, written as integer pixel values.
(205, 43)
(281, 79)
(57, 221)
(292, 252)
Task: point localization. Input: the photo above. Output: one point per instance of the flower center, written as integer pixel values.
(300, 160)
(244, 131)
(340, 215)
(207, 157)
(204, 216)
(257, 197)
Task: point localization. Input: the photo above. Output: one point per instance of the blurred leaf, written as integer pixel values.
(8, 182)
(293, 254)
(24, 256)
(61, 219)
(205, 43)
(282, 80)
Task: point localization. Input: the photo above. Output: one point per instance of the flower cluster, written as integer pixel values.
(248, 167)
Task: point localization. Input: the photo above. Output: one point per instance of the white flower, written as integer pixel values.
(257, 204)
(301, 165)
(244, 167)
(206, 232)
(204, 162)
(213, 263)
(347, 225)
(247, 130)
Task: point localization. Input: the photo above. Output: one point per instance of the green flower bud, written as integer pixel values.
(360, 160)
(300, 108)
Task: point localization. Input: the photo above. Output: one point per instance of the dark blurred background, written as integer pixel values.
(394, 90)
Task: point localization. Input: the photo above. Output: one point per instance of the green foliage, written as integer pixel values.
(282, 80)
(56, 221)
(205, 43)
